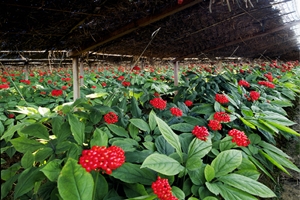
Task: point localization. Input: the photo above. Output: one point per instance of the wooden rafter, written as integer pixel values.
(235, 42)
(135, 25)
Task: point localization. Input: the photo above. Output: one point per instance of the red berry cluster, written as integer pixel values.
(214, 125)
(243, 83)
(126, 83)
(56, 93)
(269, 76)
(267, 84)
(239, 137)
(158, 103)
(200, 132)
(176, 111)
(162, 189)
(188, 103)
(27, 82)
(4, 86)
(111, 118)
(221, 98)
(222, 117)
(64, 87)
(102, 158)
(253, 96)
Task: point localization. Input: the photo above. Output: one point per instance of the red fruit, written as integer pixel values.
(11, 116)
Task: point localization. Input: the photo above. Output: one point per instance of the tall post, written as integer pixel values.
(76, 90)
(81, 72)
(176, 73)
(26, 72)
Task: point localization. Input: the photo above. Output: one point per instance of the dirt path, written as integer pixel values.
(290, 185)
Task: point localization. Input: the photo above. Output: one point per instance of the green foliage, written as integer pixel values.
(49, 135)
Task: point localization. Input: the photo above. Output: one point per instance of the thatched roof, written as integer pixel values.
(192, 29)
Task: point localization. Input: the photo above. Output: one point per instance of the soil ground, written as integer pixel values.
(290, 185)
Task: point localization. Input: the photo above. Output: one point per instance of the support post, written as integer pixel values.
(81, 72)
(76, 90)
(26, 72)
(176, 73)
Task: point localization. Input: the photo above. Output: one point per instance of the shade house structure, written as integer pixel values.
(84, 31)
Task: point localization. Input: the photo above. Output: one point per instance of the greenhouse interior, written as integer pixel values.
(150, 99)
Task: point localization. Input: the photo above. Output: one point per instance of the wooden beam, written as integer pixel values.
(135, 25)
(76, 90)
(235, 42)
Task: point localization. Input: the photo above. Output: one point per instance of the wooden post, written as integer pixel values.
(76, 90)
(176, 73)
(81, 72)
(26, 72)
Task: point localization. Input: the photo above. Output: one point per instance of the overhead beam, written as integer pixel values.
(135, 25)
(235, 42)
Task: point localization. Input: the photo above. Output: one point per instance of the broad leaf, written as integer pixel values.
(24, 145)
(182, 127)
(247, 185)
(118, 130)
(52, 169)
(141, 124)
(230, 193)
(197, 150)
(77, 128)
(162, 164)
(169, 135)
(100, 138)
(226, 162)
(74, 182)
(209, 173)
(26, 181)
(37, 130)
(132, 173)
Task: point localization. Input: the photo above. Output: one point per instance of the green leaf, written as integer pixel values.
(247, 185)
(101, 186)
(99, 138)
(209, 173)
(26, 181)
(204, 108)
(74, 182)
(182, 127)
(95, 115)
(277, 118)
(162, 164)
(261, 167)
(283, 128)
(272, 148)
(210, 198)
(24, 145)
(178, 192)
(132, 173)
(141, 124)
(226, 143)
(163, 146)
(52, 169)
(10, 132)
(194, 120)
(197, 150)
(226, 162)
(126, 144)
(96, 95)
(246, 112)
(118, 130)
(6, 186)
(247, 123)
(135, 110)
(152, 121)
(43, 153)
(169, 135)
(230, 193)
(27, 160)
(282, 160)
(77, 128)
